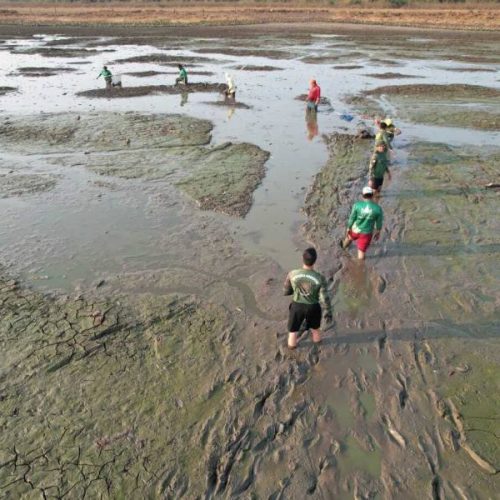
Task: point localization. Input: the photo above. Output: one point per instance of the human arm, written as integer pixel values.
(287, 286)
(318, 96)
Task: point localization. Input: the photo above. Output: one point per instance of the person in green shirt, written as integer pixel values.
(365, 223)
(381, 136)
(108, 77)
(183, 75)
(379, 166)
(391, 130)
(310, 295)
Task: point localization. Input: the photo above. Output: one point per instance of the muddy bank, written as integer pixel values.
(245, 52)
(144, 74)
(67, 132)
(467, 106)
(5, 90)
(390, 76)
(251, 67)
(120, 92)
(39, 71)
(334, 185)
(441, 91)
(165, 59)
(58, 52)
(471, 69)
(229, 103)
(24, 184)
(226, 185)
(348, 66)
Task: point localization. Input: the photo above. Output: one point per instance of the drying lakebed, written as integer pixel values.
(145, 239)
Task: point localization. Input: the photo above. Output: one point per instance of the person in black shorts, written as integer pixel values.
(310, 294)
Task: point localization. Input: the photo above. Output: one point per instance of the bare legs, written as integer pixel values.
(293, 338)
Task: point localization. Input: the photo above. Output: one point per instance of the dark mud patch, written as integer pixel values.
(390, 75)
(330, 59)
(470, 69)
(327, 199)
(348, 66)
(323, 100)
(385, 62)
(25, 184)
(165, 59)
(230, 104)
(39, 71)
(73, 41)
(117, 92)
(226, 183)
(251, 67)
(243, 52)
(5, 90)
(144, 74)
(442, 91)
(58, 52)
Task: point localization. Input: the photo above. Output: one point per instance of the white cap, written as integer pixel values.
(367, 190)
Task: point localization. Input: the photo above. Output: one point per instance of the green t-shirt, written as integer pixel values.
(183, 73)
(365, 216)
(379, 165)
(308, 287)
(105, 73)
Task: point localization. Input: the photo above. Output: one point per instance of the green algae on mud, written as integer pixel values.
(226, 184)
(469, 106)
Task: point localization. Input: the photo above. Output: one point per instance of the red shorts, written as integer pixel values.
(362, 240)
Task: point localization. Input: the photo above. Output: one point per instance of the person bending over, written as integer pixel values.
(183, 75)
(310, 295)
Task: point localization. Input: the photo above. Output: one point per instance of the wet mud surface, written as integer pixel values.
(144, 90)
(144, 74)
(165, 59)
(229, 103)
(468, 106)
(252, 67)
(176, 332)
(61, 52)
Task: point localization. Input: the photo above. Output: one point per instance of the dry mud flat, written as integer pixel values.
(468, 106)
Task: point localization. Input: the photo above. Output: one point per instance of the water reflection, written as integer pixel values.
(312, 123)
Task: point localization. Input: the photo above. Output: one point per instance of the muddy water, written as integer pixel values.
(229, 412)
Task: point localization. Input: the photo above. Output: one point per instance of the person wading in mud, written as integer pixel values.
(310, 294)
(390, 130)
(313, 97)
(379, 166)
(230, 92)
(364, 223)
(108, 77)
(183, 75)
(382, 137)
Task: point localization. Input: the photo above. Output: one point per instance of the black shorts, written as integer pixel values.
(298, 313)
(377, 182)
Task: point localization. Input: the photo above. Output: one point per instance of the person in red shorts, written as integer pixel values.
(364, 223)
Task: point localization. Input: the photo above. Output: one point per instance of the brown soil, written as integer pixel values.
(153, 89)
(462, 17)
(390, 76)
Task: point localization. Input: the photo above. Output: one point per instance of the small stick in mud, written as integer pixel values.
(310, 294)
